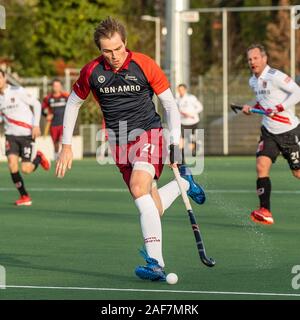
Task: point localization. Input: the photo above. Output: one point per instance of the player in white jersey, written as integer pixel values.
(189, 107)
(276, 93)
(21, 127)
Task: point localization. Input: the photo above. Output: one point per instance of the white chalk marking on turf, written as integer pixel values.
(126, 190)
(161, 291)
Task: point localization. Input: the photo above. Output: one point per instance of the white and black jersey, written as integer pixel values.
(16, 112)
(273, 88)
(189, 107)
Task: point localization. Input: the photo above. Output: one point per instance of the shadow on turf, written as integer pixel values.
(13, 261)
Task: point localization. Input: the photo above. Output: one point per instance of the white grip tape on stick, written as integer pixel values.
(182, 190)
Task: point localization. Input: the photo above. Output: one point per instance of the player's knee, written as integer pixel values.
(296, 174)
(26, 169)
(262, 169)
(138, 190)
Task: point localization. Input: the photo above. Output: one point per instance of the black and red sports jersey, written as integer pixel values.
(55, 105)
(125, 95)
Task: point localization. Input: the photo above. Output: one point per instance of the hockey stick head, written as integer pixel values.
(235, 107)
(209, 262)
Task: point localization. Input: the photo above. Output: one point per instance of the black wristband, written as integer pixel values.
(175, 154)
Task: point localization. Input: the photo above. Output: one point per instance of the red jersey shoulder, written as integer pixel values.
(152, 71)
(141, 56)
(82, 86)
(65, 94)
(45, 103)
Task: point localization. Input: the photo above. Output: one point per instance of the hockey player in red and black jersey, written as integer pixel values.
(123, 82)
(53, 108)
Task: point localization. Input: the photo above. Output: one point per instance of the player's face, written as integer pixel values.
(2, 82)
(257, 61)
(56, 87)
(114, 51)
(181, 91)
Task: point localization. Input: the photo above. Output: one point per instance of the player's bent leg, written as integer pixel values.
(296, 173)
(156, 197)
(169, 193)
(42, 160)
(27, 167)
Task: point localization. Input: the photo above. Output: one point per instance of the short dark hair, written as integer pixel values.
(2, 72)
(107, 28)
(182, 85)
(258, 46)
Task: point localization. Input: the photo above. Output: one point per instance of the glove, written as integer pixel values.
(257, 106)
(279, 108)
(271, 112)
(175, 154)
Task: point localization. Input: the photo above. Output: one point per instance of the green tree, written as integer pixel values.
(42, 33)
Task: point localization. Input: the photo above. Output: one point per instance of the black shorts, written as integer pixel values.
(287, 143)
(190, 131)
(21, 146)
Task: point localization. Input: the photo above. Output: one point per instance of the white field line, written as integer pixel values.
(126, 190)
(160, 291)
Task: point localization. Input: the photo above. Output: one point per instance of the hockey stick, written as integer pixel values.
(209, 262)
(236, 108)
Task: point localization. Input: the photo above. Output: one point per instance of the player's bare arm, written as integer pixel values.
(65, 158)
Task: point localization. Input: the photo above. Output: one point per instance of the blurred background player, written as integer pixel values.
(21, 128)
(189, 107)
(276, 93)
(124, 83)
(53, 108)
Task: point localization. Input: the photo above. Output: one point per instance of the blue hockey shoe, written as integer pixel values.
(152, 270)
(195, 191)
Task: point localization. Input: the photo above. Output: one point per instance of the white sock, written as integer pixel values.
(151, 227)
(169, 192)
